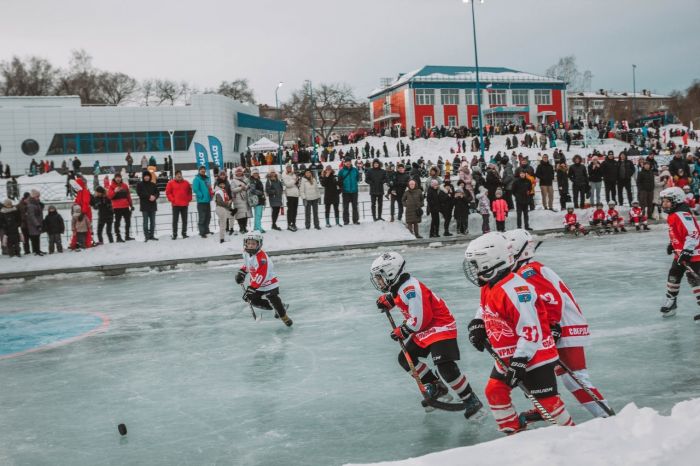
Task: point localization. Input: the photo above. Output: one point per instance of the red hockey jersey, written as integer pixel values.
(570, 219)
(425, 313)
(637, 215)
(598, 214)
(613, 214)
(684, 233)
(559, 302)
(516, 322)
(262, 272)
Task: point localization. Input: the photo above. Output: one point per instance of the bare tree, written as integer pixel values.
(328, 107)
(147, 90)
(117, 88)
(686, 105)
(238, 89)
(567, 70)
(33, 76)
(167, 91)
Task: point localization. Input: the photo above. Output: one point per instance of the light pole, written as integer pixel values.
(279, 135)
(634, 94)
(313, 126)
(171, 132)
(478, 86)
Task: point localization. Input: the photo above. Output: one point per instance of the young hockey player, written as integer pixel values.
(263, 289)
(614, 219)
(684, 234)
(569, 326)
(689, 197)
(637, 217)
(571, 224)
(428, 329)
(513, 320)
(598, 217)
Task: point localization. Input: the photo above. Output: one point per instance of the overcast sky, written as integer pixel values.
(360, 41)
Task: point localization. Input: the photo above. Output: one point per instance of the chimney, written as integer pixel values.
(601, 91)
(644, 92)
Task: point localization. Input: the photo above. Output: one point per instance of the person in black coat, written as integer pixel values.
(331, 194)
(433, 202)
(595, 178)
(462, 200)
(609, 168)
(446, 201)
(545, 173)
(579, 181)
(645, 188)
(54, 227)
(493, 182)
(397, 186)
(625, 172)
(678, 163)
(521, 193)
(375, 177)
(105, 213)
(148, 194)
(10, 224)
(563, 184)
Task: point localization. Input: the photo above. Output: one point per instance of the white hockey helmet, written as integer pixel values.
(569, 206)
(522, 243)
(486, 256)
(386, 269)
(612, 204)
(252, 242)
(675, 195)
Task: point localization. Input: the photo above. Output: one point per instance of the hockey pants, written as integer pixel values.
(675, 275)
(269, 300)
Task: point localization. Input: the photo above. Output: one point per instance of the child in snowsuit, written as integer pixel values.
(81, 226)
(500, 210)
(598, 217)
(637, 217)
(54, 227)
(613, 218)
(571, 224)
(484, 209)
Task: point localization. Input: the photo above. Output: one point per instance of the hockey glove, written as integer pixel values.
(477, 334)
(669, 249)
(516, 371)
(240, 277)
(401, 333)
(556, 331)
(248, 294)
(385, 302)
(685, 256)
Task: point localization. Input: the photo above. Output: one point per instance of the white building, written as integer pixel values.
(56, 128)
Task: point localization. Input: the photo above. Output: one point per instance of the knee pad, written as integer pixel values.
(449, 371)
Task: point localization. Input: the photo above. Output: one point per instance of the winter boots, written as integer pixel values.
(668, 309)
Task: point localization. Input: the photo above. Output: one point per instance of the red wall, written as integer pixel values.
(398, 105)
(472, 111)
(555, 107)
(450, 110)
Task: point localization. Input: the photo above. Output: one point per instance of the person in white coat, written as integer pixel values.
(291, 189)
(310, 194)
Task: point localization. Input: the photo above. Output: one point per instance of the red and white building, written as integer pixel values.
(446, 95)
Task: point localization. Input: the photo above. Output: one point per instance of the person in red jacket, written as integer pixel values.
(684, 235)
(82, 199)
(513, 320)
(122, 205)
(637, 217)
(499, 207)
(179, 193)
(614, 219)
(571, 224)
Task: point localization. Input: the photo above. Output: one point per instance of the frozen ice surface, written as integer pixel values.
(196, 381)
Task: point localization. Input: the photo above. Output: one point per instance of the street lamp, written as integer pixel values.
(279, 135)
(634, 94)
(478, 85)
(172, 150)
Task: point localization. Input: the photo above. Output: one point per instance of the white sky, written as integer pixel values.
(360, 41)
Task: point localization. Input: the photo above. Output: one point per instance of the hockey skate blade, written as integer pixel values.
(478, 417)
(696, 319)
(670, 313)
(444, 399)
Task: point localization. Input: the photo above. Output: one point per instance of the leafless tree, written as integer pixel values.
(117, 88)
(32, 76)
(567, 70)
(238, 89)
(167, 91)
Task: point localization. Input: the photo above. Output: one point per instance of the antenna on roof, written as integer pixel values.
(385, 82)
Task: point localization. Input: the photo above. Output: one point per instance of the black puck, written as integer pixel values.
(122, 429)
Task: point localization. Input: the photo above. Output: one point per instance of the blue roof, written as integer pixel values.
(246, 120)
(431, 69)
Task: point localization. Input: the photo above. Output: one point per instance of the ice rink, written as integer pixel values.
(178, 359)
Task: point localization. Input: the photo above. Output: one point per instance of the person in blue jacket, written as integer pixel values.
(348, 177)
(201, 187)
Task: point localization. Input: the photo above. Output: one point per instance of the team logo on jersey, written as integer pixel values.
(523, 293)
(528, 272)
(496, 328)
(410, 292)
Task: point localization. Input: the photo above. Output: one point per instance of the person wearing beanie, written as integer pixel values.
(291, 189)
(376, 178)
(54, 227)
(35, 218)
(179, 193)
(499, 207)
(256, 192)
(148, 194)
(105, 214)
(10, 224)
(201, 187)
(122, 206)
(239, 189)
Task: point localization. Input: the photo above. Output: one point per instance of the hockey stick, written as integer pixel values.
(427, 401)
(252, 311)
(608, 410)
(691, 272)
(545, 414)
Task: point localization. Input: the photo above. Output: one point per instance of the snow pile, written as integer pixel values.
(133, 252)
(634, 436)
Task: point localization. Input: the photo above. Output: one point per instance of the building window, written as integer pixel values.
(598, 104)
(578, 103)
(114, 143)
(449, 96)
(543, 97)
(425, 97)
(497, 97)
(452, 121)
(236, 142)
(469, 94)
(475, 121)
(30, 147)
(520, 97)
(428, 121)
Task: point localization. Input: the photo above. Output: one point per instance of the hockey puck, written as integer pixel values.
(122, 429)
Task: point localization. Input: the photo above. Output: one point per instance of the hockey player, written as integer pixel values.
(263, 289)
(598, 217)
(689, 197)
(684, 234)
(614, 219)
(428, 329)
(569, 326)
(637, 217)
(512, 319)
(571, 224)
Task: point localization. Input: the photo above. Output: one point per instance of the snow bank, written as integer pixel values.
(133, 252)
(634, 436)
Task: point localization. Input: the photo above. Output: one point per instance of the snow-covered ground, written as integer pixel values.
(636, 436)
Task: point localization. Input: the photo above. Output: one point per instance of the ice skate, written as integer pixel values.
(668, 308)
(474, 410)
(437, 391)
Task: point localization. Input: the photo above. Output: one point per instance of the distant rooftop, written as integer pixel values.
(604, 94)
(40, 101)
(432, 73)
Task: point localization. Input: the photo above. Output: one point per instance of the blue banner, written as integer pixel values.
(201, 157)
(216, 151)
